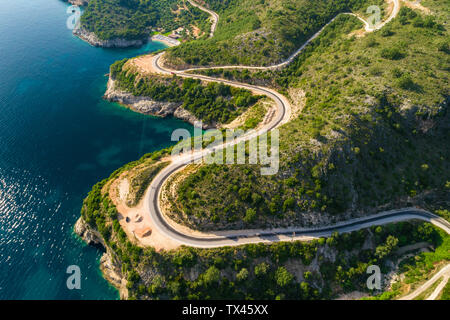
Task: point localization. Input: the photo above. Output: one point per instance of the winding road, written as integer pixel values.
(152, 199)
(230, 238)
(214, 16)
(367, 27)
(443, 273)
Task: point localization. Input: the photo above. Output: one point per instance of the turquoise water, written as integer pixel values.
(57, 138)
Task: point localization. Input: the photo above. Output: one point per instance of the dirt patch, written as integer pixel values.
(135, 221)
(144, 64)
(389, 8)
(196, 32)
(123, 188)
(357, 33)
(417, 6)
(298, 101)
(269, 110)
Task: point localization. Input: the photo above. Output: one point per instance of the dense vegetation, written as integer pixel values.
(212, 103)
(141, 180)
(286, 270)
(373, 133)
(98, 208)
(136, 19)
(418, 268)
(261, 32)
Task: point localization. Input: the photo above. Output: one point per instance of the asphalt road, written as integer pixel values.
(152, 201)
(214, 16)
(367, 27)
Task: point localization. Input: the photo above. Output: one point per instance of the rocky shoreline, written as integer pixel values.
(79, 2)
(110, 266)
(148, 106)
(95, 41)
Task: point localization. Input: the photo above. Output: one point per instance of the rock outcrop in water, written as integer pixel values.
(146, 105)
(94, 40)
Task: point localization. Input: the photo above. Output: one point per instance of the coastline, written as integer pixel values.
(109, 266)
(146, 105)
(165, 40)
(78, 2)
(95, 41)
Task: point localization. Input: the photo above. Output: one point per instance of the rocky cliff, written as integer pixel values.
(146, 105)
(109, 265)
(94, 40)
(78, 2)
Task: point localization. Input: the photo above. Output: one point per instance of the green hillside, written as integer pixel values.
(372, 135)
(136, 19)
(261, 32)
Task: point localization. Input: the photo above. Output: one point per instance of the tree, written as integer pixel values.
(242, 275)
(211, 276)
(250, 215)
(261, 269)
(283, 277)
(244, 193)
(304, 288)
(389, 245)
(288, 204)
(307, 275)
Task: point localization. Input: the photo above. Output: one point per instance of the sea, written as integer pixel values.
(58, 137)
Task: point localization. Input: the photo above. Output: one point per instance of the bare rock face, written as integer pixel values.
(112, 273)
(79, 2)
(110, 267)
(185, 115)
(92, 39)
(140, 104)
(87, 234)
(146, 105)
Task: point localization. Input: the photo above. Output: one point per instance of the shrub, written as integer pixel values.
(288, 204)
(250, 215)
(261, 269)
(392, 53)
(444, 47)
(387, 32)
(211, 276)
(244, 193)
(397, 73)
(283, 277)
(406, 82)
(242, 275)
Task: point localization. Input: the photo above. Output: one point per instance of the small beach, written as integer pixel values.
(165, 40)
